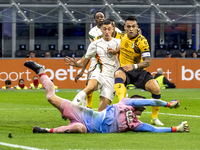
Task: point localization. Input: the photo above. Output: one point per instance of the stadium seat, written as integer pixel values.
(175, 53)
(161, 53)
(53, 53)
(39, 53)
(80, 53)
(186, 46)
(22, 53)
(189, 52)
(67, 53)
(198, 52)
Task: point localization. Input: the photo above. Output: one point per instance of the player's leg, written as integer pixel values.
(89, 97)
(46, 82)
(103, 103)
(81, 96)
(153, 87)
(71, 128)
(120, 78)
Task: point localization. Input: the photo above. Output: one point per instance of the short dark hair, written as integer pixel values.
(133, 18)
(138, 96)
(20, 80)
(32, 51)
(7, 82)
(98, 12)
(106, 22)
(112, 21)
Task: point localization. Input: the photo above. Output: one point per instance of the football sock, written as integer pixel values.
(48, 85)
(155, 110)
(89, 100)
(120, 88)
(79, 97)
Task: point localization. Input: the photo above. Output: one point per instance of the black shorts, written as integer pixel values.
(137, 77)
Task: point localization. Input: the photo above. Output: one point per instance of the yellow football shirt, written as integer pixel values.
(132, 50)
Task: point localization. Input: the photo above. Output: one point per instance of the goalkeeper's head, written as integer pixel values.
(139, 109)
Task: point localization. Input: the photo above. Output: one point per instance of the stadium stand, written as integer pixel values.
(80, 53)
(22, 53)
(67, 53)
(175, 53)
(160, 52)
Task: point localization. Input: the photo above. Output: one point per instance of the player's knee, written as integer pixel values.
(120, 74)
(80, 128)
(156, 90)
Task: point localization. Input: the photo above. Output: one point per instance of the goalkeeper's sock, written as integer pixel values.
(48, 85)
(89, 98)
(120, 88)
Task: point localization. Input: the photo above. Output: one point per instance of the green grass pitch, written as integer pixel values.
(20, 110)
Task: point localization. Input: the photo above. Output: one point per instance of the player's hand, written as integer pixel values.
(78, 76)
(70, 61)
(128, 68)
(111, 51)
(183, 127)
(173, 104)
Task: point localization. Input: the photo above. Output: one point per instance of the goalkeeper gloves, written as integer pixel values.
(173, 104)
(183, 127)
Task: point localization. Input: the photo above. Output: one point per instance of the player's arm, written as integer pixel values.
(149, 102)
(169, 84)
(146, 63)
(91, 51)
(144, 127)
(81, 72)
(73, 62)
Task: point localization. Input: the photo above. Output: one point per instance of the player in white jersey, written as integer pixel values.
(93, 34)
(102, 78)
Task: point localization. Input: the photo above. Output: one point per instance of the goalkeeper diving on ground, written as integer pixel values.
(120, 117)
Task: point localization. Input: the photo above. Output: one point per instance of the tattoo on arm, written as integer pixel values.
(146, 62)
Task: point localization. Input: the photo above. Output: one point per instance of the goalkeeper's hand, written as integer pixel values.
(183, 127)
(173, 104)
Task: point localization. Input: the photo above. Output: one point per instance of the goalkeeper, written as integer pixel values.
(120, 117)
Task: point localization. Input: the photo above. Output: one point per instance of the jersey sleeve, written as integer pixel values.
(91, 51)
(143, 102)
(144, 47)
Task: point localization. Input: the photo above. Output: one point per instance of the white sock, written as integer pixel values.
(79, 98)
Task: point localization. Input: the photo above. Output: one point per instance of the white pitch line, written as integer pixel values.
(20, 146)
(183, 115)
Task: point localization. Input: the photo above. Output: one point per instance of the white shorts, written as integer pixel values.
(105, 84)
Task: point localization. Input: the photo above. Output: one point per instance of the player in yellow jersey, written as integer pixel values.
(134, 58)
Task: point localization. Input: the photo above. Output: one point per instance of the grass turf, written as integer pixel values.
(20, 110)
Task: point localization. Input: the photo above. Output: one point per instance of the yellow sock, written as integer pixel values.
(125, 92)
(89, 98)
(155, 112)
(120, 90)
